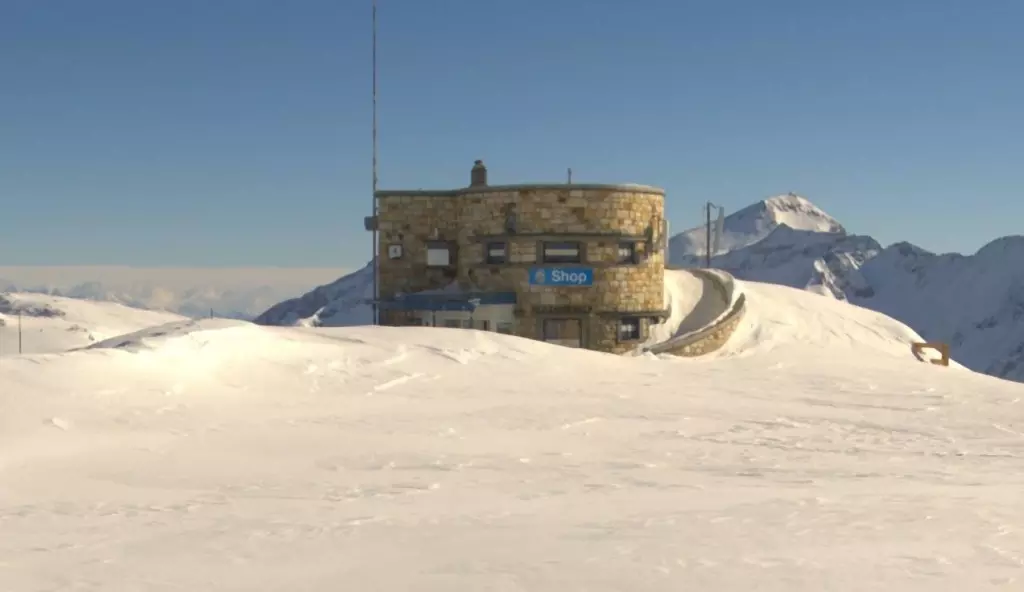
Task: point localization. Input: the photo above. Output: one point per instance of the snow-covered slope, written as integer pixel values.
(51, 324)
(801, 323)
(219, 455)
(827, 263)
(974, 303)
(752, 224)
(342, 303)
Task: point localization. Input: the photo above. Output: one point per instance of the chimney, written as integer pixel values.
(478, 176)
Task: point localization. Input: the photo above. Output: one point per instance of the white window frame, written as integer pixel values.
(439, 255)
(561, 252)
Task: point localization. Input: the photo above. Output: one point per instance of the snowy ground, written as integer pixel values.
(79, 323)
(813, 453)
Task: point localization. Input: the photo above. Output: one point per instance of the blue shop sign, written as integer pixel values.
(561, 276)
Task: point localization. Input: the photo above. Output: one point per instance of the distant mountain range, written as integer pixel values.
(239, 293)
(973, 302)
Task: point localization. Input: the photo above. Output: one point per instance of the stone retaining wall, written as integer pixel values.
(710, 338)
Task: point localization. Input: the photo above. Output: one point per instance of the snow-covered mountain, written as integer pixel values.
(754, 223)
(975, 303)
(240, 293)
(342, 303)
(53, 324)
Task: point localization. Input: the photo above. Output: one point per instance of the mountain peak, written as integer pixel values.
(795, 211)
(755, 222)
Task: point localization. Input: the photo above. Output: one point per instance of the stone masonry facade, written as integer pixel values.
(619, 231)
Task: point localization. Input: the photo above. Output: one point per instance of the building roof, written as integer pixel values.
(627, 187)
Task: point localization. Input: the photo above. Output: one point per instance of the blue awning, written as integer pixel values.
(451, 301)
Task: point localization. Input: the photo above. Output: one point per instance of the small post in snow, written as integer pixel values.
(19, 332)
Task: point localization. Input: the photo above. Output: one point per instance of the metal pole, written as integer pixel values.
(707, 252)
(376, 279)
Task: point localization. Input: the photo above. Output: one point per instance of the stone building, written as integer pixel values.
(577, 265)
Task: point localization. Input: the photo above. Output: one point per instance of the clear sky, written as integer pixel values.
(237, 132)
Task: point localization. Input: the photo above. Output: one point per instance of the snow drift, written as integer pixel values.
(220, 455)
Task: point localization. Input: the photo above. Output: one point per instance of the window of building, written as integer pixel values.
(629, 329)
(439, 254)
(497, 253)
(627, 252)
(503, 327)
(456, 323)
(567, 332)
(562, 252)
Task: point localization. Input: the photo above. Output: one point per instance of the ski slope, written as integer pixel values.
(221, 455)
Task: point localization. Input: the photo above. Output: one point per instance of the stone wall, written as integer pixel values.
(711, 338)
(598, 217)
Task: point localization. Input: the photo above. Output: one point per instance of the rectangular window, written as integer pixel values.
(503, 327)
(562, 252)
(456, 323)
(627, 252)
(567, 332)
(439, 255)
(629, 329)
(497, 253)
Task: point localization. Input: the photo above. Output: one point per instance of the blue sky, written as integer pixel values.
(237, 132)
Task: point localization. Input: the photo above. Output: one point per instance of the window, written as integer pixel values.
(629, 328)
(562, 252)
(456, 324)
(439, 254)
(567, 332)
(496, 254)
(627, 252)
(503, 327)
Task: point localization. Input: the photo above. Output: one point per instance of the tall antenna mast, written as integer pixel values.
(376, 280)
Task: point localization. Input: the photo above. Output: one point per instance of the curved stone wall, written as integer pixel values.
(522, 219)
(713, 336)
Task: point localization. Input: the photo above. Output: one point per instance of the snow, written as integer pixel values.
(813, 453)
(752, 224)
(343, 303)
(975, 303)
(800, 321)
(51, 324)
